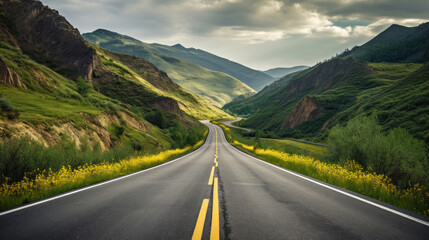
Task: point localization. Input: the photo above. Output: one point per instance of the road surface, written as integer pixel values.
(241, 198)
(230, 122)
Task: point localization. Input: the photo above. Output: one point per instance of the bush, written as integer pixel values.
(5, 105)
(117, 130)
(178, 134)
(193, 136)
(83, 87)
(183, 137)
(8, 110)
(157, 118)
(397, 154)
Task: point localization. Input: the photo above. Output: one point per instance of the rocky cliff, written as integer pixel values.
(9, 76)
(48, 38)
(304, 111)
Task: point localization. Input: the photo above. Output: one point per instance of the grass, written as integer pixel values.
(294, 147)
(48, 96)
(36, 107)
(350, 176)
(48, 183)
(400, 104)
(283, 145)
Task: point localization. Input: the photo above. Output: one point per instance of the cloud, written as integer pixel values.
(248, 21)
(213, 24)
(247, 36)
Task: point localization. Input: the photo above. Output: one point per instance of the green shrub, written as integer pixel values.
(397, 154)
(83, 87)
(5, 105)
(7, 110)
(193, 136)
(182, 137)
(117, 130)
(178, 134)
(157, 118)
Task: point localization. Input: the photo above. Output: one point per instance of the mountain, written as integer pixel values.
(253, 78)
(217, 87)
(396, 44)
(306, 103)
(54, 85)
(278, 73)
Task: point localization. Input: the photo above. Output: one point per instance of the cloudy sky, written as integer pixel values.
(261, 34)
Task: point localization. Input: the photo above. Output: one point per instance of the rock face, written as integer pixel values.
(304, 111)
(9, 76)
(48, 38)
(98, 132)
(167, 105)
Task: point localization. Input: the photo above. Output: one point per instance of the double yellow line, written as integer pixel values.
(199, 227)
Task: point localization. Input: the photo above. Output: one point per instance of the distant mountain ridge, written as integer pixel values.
(217, 87)
(280, 72)
(396, 44)
(253, 78)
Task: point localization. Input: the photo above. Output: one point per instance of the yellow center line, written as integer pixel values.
(198, 231)
(214, 232)
(199, 227)
(211, 176)
(216, 140)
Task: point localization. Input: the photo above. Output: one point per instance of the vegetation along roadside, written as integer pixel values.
(40, 184)
(360, 174)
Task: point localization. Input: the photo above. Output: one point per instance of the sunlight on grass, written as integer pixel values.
(48, 183)
(350, 176)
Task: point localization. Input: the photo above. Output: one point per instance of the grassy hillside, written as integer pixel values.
(307, 103)
(141, 72)
(248, 104)
(335, 91)
(51, 107)
(65, 90)
(216, 87)
(403, 102)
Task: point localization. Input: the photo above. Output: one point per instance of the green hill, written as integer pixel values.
(306, 103)
(217, 87)
(55, 86)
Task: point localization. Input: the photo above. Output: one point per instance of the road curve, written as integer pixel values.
(241, 198)
(230, 122)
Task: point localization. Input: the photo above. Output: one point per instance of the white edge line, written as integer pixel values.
(332, 188)
(100, 184)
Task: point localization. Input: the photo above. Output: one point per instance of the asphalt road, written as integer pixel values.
(230, 122)
(244, 198)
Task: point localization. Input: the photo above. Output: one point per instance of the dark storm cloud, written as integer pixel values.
(373, 9)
